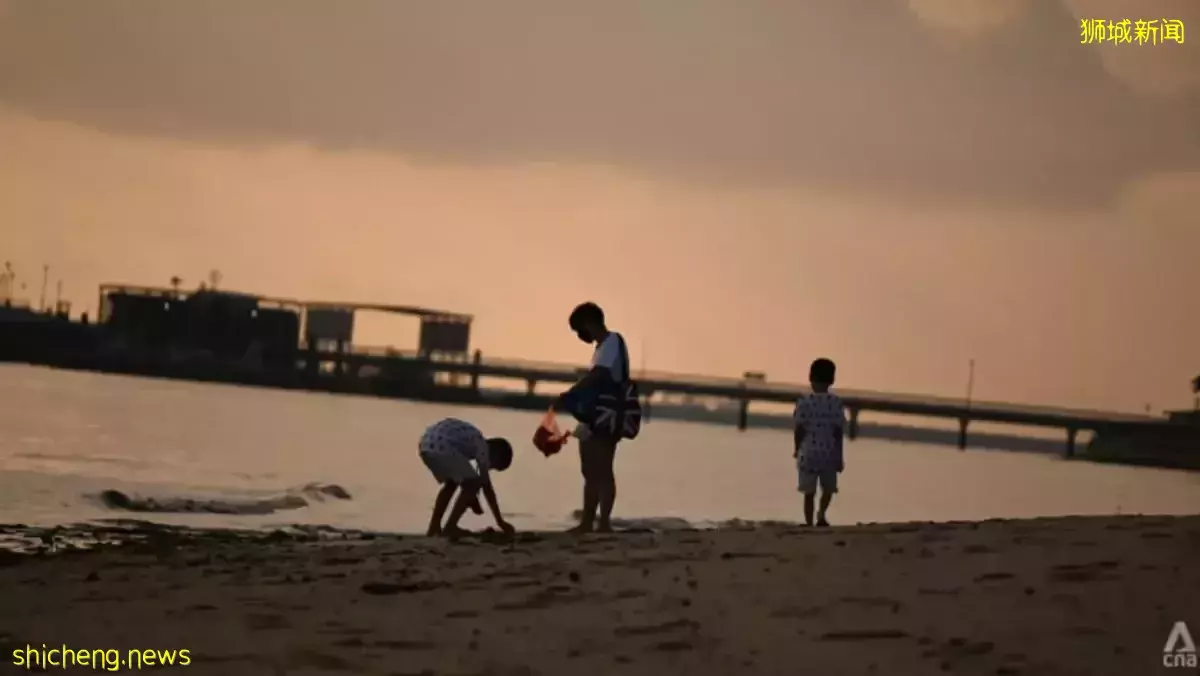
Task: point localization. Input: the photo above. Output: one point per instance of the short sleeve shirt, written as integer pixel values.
(822, 416)
(456, 437)
(608, 355)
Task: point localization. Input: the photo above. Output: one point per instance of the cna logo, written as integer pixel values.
(1180, 650)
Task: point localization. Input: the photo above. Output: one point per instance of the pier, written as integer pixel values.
(748, 391)
(220, 336)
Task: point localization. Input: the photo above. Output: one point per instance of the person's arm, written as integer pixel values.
(593, 377)
(489, 494)
(840, 440)
(798, 430)
(607, 357)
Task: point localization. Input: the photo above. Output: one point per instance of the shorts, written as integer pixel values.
(828, 479)
(450, 468)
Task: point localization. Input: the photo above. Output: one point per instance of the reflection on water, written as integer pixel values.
(225, 456)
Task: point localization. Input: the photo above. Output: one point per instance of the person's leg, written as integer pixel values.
(591, 495)
(457, 470)
(605, 454)
(475, 506)
(442, 475)
(469, 492)
(828, 489)
(808, 486)
(826, 497)
(439, 508)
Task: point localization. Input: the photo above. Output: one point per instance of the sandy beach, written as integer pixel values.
(1053, 596)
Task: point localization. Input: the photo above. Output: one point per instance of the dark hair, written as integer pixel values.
(822, 371)
(500, 454)
(586, 313)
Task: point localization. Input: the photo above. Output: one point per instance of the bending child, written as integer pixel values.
(460, 459)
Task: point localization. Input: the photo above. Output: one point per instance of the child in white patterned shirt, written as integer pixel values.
(461, 459)
(820, 423)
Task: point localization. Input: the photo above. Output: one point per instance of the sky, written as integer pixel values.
(900, 186)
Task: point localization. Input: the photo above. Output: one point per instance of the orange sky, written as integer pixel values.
(899, 187)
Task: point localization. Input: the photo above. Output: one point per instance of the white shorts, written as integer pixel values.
(827, 479)
(450, 468)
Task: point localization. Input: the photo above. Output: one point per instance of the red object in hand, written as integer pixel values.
(548, 438)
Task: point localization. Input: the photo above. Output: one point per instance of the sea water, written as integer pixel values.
(78, 446)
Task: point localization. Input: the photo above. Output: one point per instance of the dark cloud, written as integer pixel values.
(854, 95)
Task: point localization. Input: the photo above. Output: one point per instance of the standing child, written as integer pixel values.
(820, 423)
(610, 364)
(448, 448)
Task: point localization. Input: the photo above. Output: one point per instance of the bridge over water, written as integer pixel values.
(1071, 421)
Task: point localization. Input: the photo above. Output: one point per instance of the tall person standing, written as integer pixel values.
(597, 450)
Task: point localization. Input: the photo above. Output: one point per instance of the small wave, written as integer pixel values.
(76, 458)
(654, 523)
(296, 498)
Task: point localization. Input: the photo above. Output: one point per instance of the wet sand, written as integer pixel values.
(1053, 596)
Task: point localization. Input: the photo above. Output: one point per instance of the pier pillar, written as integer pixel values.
(1070, 449)
(853, 431)
(962, 433)
(475, 363)
(339, 364)
(529, 386)
(311, 361)
(744, 415)
(646, 406)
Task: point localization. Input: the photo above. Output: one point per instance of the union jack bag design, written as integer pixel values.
(618, 411)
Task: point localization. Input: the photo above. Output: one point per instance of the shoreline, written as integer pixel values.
(1057, 595)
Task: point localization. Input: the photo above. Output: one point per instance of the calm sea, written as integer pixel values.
(269, 458)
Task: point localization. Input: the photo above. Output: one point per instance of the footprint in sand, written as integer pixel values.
(873, 602)
(1082, 572)
(315, 659)
(543, 599)
(266, 621)
(796, 612)
(389, 588)
(661, 628)
(864, 635)
(393, 644)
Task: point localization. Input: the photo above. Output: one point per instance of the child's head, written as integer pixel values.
(821, 374)
(587, 321)
(500, 454)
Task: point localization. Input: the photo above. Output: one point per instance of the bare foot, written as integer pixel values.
(580, 529)
(822, 523)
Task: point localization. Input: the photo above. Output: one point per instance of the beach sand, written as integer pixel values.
(1049, 596)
